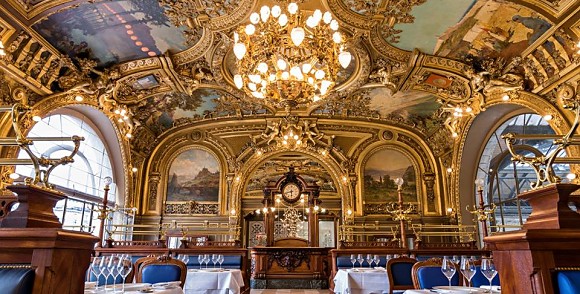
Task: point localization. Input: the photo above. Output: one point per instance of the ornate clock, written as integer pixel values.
(291, 192)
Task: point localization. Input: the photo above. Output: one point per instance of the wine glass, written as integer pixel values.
(206, 259)
(488, 270)
(112, 265)
(185, 259)
(448, 269)
(105, 269)
(370, 260)
(377, 259)
(124, 267)
(389, 256)
(220, 259)
(353, 259)
(200, 260)
(467, 268)
(360, 259)
(455, 259)
(214, 259)
(96, 268)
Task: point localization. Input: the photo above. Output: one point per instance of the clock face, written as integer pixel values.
(291, 192)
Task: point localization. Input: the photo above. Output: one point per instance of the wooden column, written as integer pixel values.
(549, 239)
(33, 235)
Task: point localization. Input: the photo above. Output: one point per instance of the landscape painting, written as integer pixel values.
(194, 175)
(111, 32)
(380, 172)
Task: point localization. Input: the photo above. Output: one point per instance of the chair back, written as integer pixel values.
(427, 274)
(479, 279)
(568, 281)
(399, 273)
(161, 269)
(16, 280)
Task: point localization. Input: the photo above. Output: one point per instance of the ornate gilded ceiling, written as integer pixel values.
(167, 65)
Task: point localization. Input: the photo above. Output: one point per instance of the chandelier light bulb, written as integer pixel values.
(239, 50)
(265, 13)
(252, 87)
(317, 15)
(281, 64)
(319, 74)
(256, 79)
(327, 17)
(311, 22)
(285, 75)
(336, 37)
(272, 78)
(238, 81)
(258, 95)
(276, 11)
(262, 67)
(344, 59)
(283, 20)
(292, 8)
(250, 29)
(306, 68)
(334, 25)
(316, 98)
(254, 18)
(297, 36)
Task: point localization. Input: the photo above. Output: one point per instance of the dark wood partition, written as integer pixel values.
(289, 267)
(550, 239)
(32, 235)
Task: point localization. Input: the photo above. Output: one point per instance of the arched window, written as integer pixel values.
(81, 180)
(505, 179)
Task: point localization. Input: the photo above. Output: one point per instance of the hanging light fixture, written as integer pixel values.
(288, 59)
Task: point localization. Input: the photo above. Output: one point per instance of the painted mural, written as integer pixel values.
(380, 172)
(160, 113)
(495, 30)
(113, 31)
(432, 19)
(194, 175)
(415, 107)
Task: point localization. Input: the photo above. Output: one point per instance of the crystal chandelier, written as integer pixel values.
(288, 59)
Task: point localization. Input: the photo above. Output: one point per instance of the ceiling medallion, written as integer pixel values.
(289, 59)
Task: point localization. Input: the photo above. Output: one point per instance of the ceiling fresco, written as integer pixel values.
(114, 31)
(432, 20)
(493, 29)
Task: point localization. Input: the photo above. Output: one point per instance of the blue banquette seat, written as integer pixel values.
(16, 279)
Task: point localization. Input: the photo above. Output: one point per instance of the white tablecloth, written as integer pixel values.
(177, 290)
(361, 282)
(211, 282)
(417, 291)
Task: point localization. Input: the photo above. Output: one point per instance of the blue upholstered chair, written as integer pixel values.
(568, 281)
(399, 272)
(161, 269)
(16, 280)
(427, 274)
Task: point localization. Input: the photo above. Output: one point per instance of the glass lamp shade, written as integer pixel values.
(399, 181)
(107, 181)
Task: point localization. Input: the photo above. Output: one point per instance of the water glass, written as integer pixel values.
(124, 267)
(353, 259)
(214, 259)
(206, 259)
(185, 259)
(360, 259)
(220, 259)
(467, 268)
(200, 260)
(105, 269)
(376, 259)
(112, 265)
(448, 269)
(488, 270)
(96, 268)
(369, 260)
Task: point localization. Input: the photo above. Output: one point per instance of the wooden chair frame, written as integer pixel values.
(432, 262)
(162, 260)
(392, 261)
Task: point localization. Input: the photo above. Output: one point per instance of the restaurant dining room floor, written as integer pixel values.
(285, 291)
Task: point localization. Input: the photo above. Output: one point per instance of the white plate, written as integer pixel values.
(459, 290)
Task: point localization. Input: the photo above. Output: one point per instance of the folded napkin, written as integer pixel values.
(493, 288)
